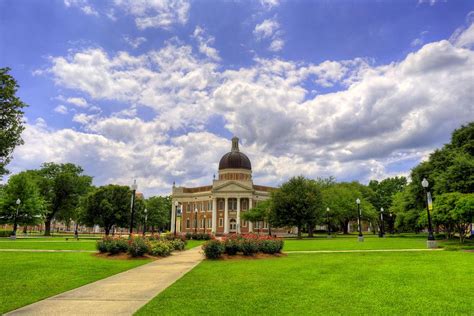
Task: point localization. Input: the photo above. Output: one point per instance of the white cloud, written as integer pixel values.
(204, 42)
(464, 37)
(134, 42)
(376, 116)
(61, 109)
(79, 102)
(269, 4)
(270, 29)
(83, 5)
(156, 13)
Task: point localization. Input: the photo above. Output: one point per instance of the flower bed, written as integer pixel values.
(248, 245)
(160, 246)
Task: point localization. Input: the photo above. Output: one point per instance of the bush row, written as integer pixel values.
(139, 246)
(198, 236)
(245, 244)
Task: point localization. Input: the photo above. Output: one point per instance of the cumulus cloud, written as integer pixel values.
(61, 109)
(134, 42)
(79, 102)
(83, 5)
(270, 29)
(375, 117)
(156, 13)
(464, 37)
(205, 41)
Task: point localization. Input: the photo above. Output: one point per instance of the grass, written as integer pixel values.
(351, 243)
(358, 283)
(53, 244)
(193, 243)
(28, 277)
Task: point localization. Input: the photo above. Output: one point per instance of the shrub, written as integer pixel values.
(5, 233)
(213, 249)
(270, 246)
(232, 246)
(161, 248)
(249, 246)
(117, 245)
(137, 247)
(189, 236)
(177, 244)
(102, 245)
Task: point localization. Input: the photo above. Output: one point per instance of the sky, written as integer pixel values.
(154, 90)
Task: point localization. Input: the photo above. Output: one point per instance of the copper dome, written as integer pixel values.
(235, 159)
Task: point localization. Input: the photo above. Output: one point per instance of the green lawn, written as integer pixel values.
(194, 243)
(29, 277)
(52, 244)
(351, 243)
(394, 283)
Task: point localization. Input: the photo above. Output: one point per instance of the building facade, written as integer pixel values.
(217, 208)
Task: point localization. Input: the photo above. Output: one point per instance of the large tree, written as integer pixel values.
(107, 206)
(61, 186)
(21, 186)
(259, 213)
(298, 202)
(158, 209)
(11, 118)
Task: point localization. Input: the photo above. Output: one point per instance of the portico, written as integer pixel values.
(217, 208)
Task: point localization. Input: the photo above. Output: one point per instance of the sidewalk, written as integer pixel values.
(120, 294)
(362, 250)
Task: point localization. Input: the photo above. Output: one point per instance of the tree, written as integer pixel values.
(341, 200)
(107, 206)
(158, 208)
(11, 118)
(31, 208)
(298, 202)
(61, 186)
(259, 213)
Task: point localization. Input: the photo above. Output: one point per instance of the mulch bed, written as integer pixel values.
(254, 257)
(123, 256)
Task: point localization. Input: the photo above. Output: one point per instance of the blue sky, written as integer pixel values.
(154, 90)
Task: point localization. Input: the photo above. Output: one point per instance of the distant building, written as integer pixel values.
(217, 208)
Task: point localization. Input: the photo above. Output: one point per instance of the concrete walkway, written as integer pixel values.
(360, 250)
(120, 294)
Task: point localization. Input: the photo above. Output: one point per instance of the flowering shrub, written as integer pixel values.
(246, 244)
(162, 248)
(102, 245)
(138, 246)
(177, 244)
(213, 249)
(112, 245)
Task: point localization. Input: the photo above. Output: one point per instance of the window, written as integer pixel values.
(209, 205)
(209, 222)
(244, 224)
(221, 204)
(189, 207)
(232, 204)
(257, 225)
(244, 204)
(203, 222)
(265, 224)
(187, 223)
(221, 222)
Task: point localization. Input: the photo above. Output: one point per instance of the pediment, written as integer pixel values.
(233, 186)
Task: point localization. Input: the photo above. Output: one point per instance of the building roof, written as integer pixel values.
(235, 159)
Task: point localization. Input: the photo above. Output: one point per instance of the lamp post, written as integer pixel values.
(15, 225)
(381, 232)
(431, 243)
(329, 224)
(176, 204)
(359, 215)
(391, 223)
(133, 187)
(195, 220)
(144, 225)
(204, 223)
(76, 231)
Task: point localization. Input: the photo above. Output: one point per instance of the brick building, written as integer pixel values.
(217, 208)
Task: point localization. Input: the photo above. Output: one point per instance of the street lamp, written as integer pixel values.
(361, 237)
(176, 204)
(381, 232)
(329, 224)
(15, 225)
(133, 187)
(144, 225)
(204, 223)
(431, 243)
(195, 220)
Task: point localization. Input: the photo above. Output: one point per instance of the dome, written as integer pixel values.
(235, 159)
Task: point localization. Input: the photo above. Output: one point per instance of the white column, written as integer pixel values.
(250, 223)
(173, 216)
(238, 215)
(226, 216)
(214, 215)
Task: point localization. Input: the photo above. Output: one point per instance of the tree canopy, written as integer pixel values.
(11, 118)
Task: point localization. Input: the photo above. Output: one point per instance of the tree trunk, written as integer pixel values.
(25, 229)
(269, 230)
(47, 227)
(344, 227)
(310, 231)
(107, 231)
(299, 232)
